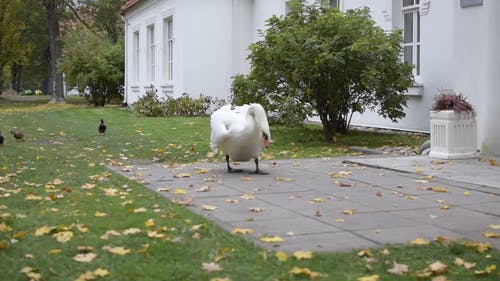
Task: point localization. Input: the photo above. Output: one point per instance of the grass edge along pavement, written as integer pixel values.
(63, 216)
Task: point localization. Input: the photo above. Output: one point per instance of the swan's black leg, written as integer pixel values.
(229, 169)
(257, 170)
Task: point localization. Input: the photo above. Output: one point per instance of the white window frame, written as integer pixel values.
(136, 51)
(413, 11)
(168, 49)
(150, 53)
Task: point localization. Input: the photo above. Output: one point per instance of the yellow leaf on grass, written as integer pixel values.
(242, 231)
(43, 230)
(19, 234)
(116, 250)
(305, 271)
(54, 251)
(368, 278)
(63, 236)
(282, 256)
(489, 234)
(101, 272)
(130, 231)
(85, 258)
(480, 247)
(303, 255)
(149, 223)
(489, 269)
(365, 253)
(419, 241)
(4, 227)
(271, 239)
(98, 214)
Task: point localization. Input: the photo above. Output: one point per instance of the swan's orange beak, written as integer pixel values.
(266, 140)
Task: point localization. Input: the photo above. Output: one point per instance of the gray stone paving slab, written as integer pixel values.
(304, 200)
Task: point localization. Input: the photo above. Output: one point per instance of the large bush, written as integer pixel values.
(94, 65)
(319, 59)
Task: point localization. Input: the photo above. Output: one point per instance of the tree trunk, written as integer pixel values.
(55, 51)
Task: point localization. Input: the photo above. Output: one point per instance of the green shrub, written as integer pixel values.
(150, 105)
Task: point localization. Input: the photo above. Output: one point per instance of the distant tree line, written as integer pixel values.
(38, 43)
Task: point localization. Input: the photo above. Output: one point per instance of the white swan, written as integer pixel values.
(241, 131)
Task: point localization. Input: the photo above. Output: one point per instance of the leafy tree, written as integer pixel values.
(319, 59)
(13, 51)
(94, 65)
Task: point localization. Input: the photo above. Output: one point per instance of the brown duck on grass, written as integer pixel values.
(17, 134)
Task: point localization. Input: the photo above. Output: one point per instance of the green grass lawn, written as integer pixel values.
(58, 203)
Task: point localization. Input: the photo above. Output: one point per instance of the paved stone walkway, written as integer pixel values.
(338, 204)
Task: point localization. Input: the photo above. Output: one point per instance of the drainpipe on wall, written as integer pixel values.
(125, 82)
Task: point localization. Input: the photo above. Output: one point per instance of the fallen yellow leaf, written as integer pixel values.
(63, 236)
(282, 256)
(98, 214)
(54, 251)
(209, 207)
(179, 191)
(489, 269)
(461, 262)
(182, 175)
(369, 278)
(242, 231)
(303, 255)
(419, 241)
(86, 258)
(101, 272)
(273, 239)
(116, 250)
(149, 223)
(349, 212)
(494, 226)
(305, 271)
(489, 234)
(398, 269)
(466, 193)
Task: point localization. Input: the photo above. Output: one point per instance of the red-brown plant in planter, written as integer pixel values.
(449, 100)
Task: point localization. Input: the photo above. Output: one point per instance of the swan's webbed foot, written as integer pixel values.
(231, 170)
(257, 170)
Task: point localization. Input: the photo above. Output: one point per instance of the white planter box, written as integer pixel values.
(453, 135)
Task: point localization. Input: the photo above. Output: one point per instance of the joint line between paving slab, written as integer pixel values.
(413, 173)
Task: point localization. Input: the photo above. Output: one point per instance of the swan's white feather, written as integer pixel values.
(239, 131)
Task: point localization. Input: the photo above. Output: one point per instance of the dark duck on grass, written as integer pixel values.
(1, 139)
(17, 134)
(102, 128)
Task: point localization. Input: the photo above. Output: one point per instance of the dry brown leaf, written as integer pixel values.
(211, 267)
(398, 269)
(256, 209)
(438, 267)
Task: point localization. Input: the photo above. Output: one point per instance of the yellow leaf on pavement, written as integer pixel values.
(271, 239)
(242, 231)
(489, 234)
(179, 191)
(349, 212)
(419, 241)
(494, 226)
(209, 207)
